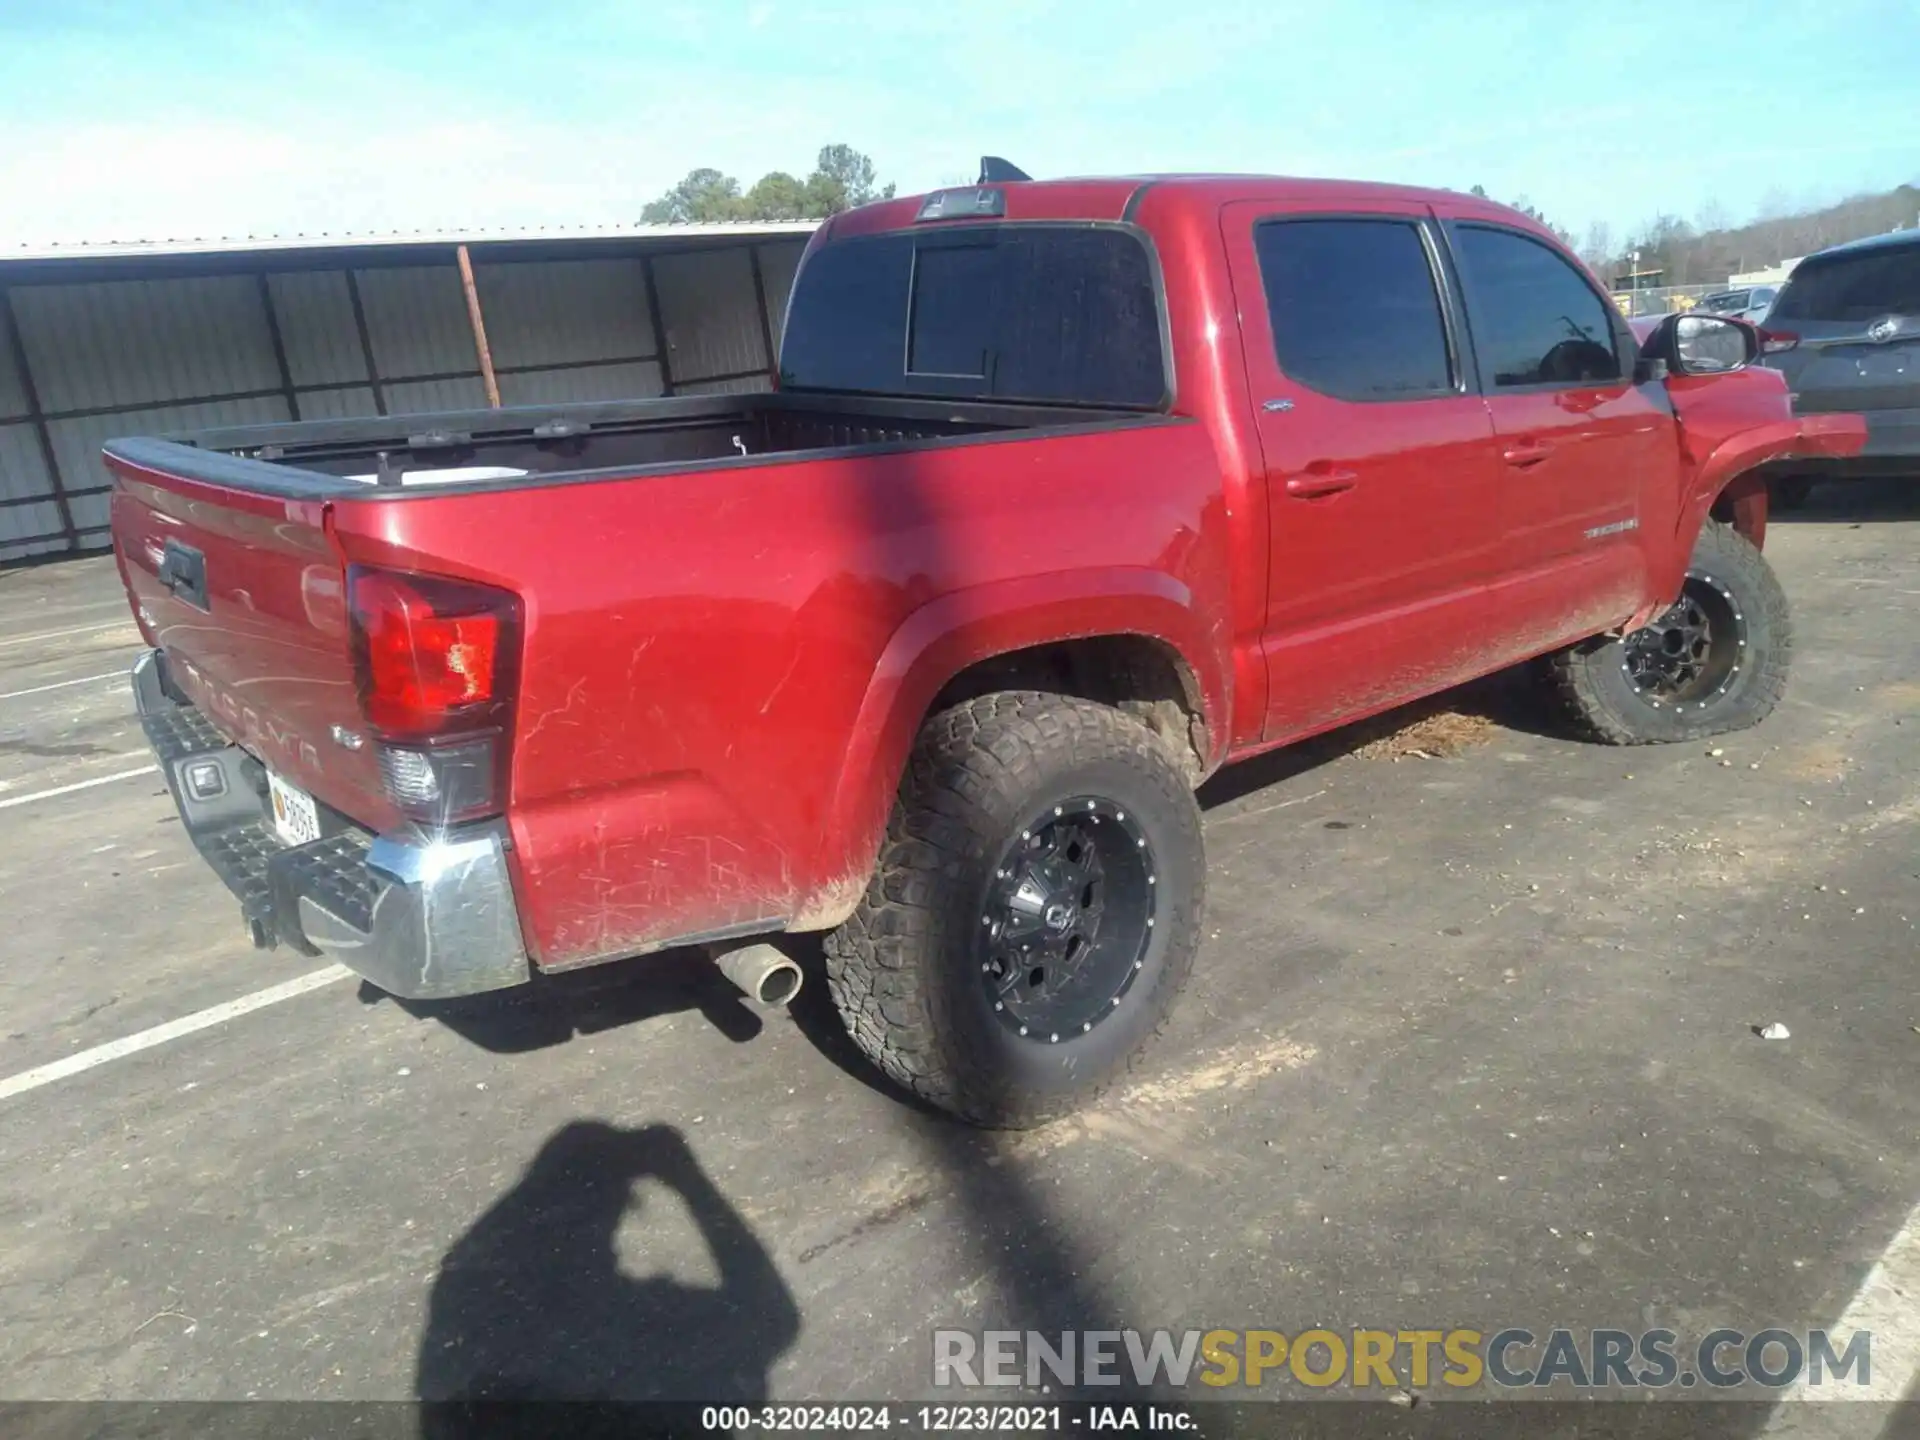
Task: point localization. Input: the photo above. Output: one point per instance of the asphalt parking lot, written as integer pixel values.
(1471, 1043)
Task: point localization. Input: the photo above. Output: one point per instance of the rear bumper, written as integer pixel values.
(421, 916)
(1892, 435)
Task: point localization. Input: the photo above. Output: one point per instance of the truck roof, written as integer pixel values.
(1117, 197)
(1222, 186)
(1892, 240)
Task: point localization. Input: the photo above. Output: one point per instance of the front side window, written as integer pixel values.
(1354, 308)
(1535, 320)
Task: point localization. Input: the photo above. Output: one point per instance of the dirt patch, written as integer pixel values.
(1903, 696)
(1817, 760)
(1152, 1117)
(1232, 1069)
(1434, 735)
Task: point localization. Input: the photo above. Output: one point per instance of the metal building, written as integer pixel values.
(104, 340)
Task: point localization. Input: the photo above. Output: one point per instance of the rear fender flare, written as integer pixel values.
(946, 636)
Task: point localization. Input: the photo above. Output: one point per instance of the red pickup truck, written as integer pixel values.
(1071, 493)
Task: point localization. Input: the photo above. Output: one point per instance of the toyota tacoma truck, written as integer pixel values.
(1069, 494)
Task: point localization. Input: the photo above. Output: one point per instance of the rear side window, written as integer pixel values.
(1050, 313)
(1354, 308)
(1853, 287)
(1535, 319)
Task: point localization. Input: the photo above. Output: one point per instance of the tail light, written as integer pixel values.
(1772, 342)
(436, 662)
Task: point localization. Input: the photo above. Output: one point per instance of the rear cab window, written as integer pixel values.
(1536, 321)
(1354, 306)
(1023, 311)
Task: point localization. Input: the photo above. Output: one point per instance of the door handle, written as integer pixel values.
(1316, 481)
(1523, 453)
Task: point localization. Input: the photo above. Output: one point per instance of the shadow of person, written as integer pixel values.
(531, 1304)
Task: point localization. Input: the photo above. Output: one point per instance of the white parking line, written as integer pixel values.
(1887, 1305)
(159, 1035)
(76, 630)
(14, 800)
(63, 684)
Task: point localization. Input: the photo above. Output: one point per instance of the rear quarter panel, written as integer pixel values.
(724, 668)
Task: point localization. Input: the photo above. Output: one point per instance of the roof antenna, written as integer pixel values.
(994, 171)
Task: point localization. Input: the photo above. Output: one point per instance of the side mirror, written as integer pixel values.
(1694, 344)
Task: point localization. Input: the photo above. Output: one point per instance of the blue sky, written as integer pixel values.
(141, 120)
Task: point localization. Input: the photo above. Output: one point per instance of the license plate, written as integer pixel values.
(295, 818)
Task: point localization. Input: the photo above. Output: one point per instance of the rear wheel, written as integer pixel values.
(1034, 912)
(1715, 661)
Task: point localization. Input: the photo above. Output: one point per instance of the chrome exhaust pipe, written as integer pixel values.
(764, 974)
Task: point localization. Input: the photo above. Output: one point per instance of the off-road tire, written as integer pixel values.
(903, 970)
(1591, 679)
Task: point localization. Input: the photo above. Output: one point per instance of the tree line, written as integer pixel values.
(1701, 251)
(842, 178)
(1709, 248)
(1526, 209)
(1706, 250)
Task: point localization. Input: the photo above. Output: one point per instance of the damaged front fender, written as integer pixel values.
(1730, 467)
(1733, 430)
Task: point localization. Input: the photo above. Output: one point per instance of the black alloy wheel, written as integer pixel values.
(1691, 654)
(1068, 915)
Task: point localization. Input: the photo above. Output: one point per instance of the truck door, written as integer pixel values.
(1383, 489)
(1586, 456)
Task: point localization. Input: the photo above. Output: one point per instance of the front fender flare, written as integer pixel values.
(1730, 470)
(1807, 437)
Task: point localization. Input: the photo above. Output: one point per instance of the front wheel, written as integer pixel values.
(1034, 911)
(1716, 661)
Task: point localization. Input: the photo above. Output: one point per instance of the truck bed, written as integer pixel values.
(479, 449)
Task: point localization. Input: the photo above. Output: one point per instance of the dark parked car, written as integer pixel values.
(1845, 332)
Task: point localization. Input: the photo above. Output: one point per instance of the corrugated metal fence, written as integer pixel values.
(89, 351)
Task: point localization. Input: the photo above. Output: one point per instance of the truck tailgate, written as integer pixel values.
(246, 595)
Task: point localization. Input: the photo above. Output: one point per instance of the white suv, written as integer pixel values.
(1750, 304)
